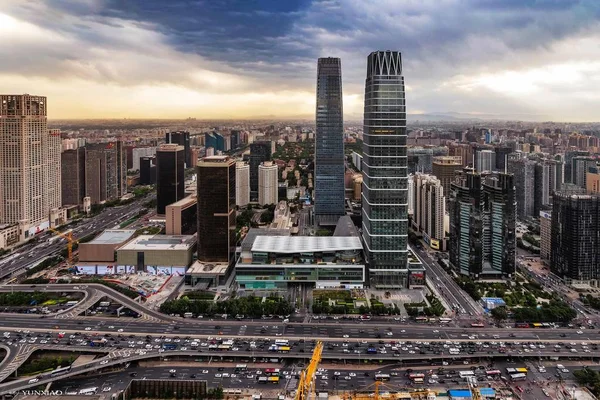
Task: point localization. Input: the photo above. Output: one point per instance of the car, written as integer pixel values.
(217, 375)
(34, 380)
(352, 374)
(579, 332)
(88, 328)
(111, 327)
(205, 371)
(172, 371)
(436, 331)
(403, 331)
(103, 362)
(346, 336)
(106, 389)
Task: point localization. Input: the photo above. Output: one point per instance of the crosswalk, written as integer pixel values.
(21, 354)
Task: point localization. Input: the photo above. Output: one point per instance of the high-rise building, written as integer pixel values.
(105, 171)
(482, 210)
(523, 170)
(121, 168)
(29, 163)
(545, 235)
(216, 209)
(444, 168)
(592, 180)
(502, 153)
(259, 153)
(569, 155)
(73, 176)
(148, 170)
(429, 210)
(420, 159)
(214, 140)
(181, 138)
(385, 178)
(137, 153)
(485, 160)
(575, 248)
(462, 150)
(267, 183)
(235, 139)
(242, 184)
(579, 169)
(329, 143)
(170, 171)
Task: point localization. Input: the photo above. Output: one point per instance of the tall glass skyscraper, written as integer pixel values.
(385, 179)
(329, 143)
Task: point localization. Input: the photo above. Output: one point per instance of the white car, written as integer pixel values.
(403, 331)
(104, 362)
(120, 330)
(217, 375)
(111, 327)
(34, 380)
(88, 328)
(352, 374)
(106, 389)
(346, 336)
(172, 371)
(389, 333)
(205, 371)
(579, 332)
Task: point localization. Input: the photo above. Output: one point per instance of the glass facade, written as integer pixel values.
(181, 138)
(329, 142)
(216, 209)
(259, 153)
(385, 178)
(170, 170)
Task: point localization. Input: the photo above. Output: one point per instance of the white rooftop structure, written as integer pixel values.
(113, 236)
(160, 242)
(304, 244)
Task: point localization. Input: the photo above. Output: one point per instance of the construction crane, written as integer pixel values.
(372, 392)
(475, 393)
(68, 236)
(306, 382)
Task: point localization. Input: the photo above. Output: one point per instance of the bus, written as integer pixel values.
(445, 320)
(494, 373)
(477, 325)
(282, 342)
(421, 319)
(224, 347)
(521, 325)
(88, 391)
(283, 349)
(412, 377)
(240, 368)
(382, 377)
(522, 371)
(60, 371)
(262, 379)
(466, 374)
(418, 381)
(371, 350)
(518, 377)
(273, 379)
(511, 371)
(272, 371)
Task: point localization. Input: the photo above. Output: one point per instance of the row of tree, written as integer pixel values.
(375, 309)
(554, 311)
(44, 364)
(588, 378)
(250, 306)
(18, 299)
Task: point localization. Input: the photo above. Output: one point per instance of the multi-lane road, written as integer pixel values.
(19, 260)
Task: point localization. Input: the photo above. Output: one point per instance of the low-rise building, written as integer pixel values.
(102, 248)
(158, 254)
(181, 216)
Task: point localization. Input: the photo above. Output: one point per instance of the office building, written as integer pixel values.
(181, 217)
(502, 153)
(482, 209)
(444, 168)
(357, 161)
(137, 153)
(30, 172)
(485, 160)
(259, 153)
(462, 150)
(568, 160)
(235, 139)
(121, 168)
(579, 169)
(575, 248)
(105, 171)
(592, 180)
(170, 171)
(73, 176)
(216, 209)
(214, 140)
(385, 178)
(525, 183)
(429, 210)
(181, 138)
(147, 170)
(545, 235)
(420, 159)
(329, 143)
(242, 184)
(267, 183)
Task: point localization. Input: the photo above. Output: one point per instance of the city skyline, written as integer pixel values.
(96, 59)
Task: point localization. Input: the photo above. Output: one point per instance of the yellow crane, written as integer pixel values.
(306, 383)
(68, 236)
(374, 394)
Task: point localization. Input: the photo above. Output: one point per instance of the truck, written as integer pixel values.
(98, 342)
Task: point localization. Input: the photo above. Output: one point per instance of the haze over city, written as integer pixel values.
(525, 59)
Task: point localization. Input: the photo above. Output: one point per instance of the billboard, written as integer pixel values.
(120, 269)
(178, 271)
(86, 269)
(106, 270)
(434, 244)
(34, 230)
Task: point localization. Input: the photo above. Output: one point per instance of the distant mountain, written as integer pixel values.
(457, 116)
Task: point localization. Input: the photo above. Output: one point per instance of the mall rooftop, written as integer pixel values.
(305, 244)
(113, 236)
(160, 242)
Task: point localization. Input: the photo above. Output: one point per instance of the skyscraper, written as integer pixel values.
(105, 171)
(216, 209)
(385, 179)
(170, 171)
(259, 152)
(485, 160)
(444, 168)
(29, 163)
(575, 248)
(181, 138)
(329, 143)
(267, 183)
(429, 209)
(148, 170)
(482, 210)
(242, 184)
(73, 176)
(524, 173)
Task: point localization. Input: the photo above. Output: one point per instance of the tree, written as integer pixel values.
(500, 314)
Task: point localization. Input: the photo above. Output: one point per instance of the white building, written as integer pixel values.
(485, 161)
(242, 184)
(267, 183)
(139, 152)
(429, 209)
(30, 169)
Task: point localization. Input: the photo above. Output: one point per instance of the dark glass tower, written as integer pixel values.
(181, 138)
(329, 143)
(259, 153)
(385, 180)
(216, 209)
(170, 170)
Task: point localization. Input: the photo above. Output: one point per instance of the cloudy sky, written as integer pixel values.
(246, 58)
